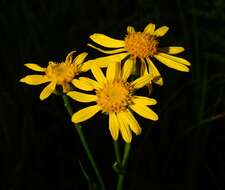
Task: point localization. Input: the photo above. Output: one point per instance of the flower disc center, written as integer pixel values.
(61, 72)
(140, 44)
(114, 97)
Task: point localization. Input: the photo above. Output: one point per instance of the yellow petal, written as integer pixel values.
(161, 31)
(92, 82)
(153, 71)
(113, 71)
(85, 114)
(82, 97)
(132, 122)
(171, 49)
(98, 74)
(80, 58)
(107, 41)
(69, 57)
(135, 69)
(142, 81)
(82, 85)
(144, 69)
(48, 90)
(88, 64)
(144, 100)
(144, 111)
(150, 28)
(130, 29)
(171, 63)
(108, 51)
(34, 79)
(127, 69)
(124, 128)
(35, 67)
(176, 59)
(66, 87)
(103, 61)
(113, 126)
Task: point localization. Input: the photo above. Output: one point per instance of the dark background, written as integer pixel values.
(40, 148)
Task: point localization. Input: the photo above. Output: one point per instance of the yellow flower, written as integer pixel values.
(115, 97)
(56, 74)
(144, 46)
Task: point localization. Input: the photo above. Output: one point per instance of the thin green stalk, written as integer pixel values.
(117, 151)
(124, 164)
(84, 143)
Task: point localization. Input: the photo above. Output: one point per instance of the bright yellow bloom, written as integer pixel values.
(144, 46)
(56, 74)
(115, 97)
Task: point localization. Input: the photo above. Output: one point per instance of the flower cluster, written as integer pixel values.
(112, 91)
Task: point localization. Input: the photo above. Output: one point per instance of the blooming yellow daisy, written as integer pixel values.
(115, 97)
(56, 74)
(143, 45)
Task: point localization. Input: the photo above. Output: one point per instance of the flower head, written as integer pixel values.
(114, 96)
(56, 74)
(142, 46)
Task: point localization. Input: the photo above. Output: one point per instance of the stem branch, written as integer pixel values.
(84, 143)
(124, 164)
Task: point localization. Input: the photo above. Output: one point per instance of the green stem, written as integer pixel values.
(117, 151)
(84, 143)
(124, 164)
